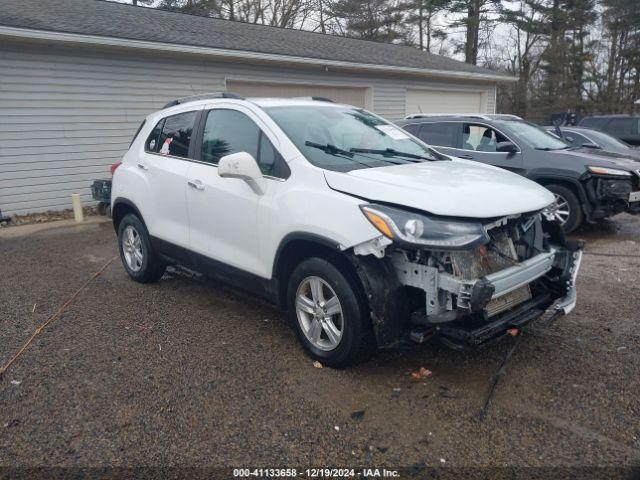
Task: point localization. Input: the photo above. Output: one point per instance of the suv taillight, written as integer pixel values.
(113, 167)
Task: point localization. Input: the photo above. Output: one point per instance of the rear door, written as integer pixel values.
(164, 165)
(479, 143)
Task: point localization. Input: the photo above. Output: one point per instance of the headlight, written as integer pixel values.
(421, 230)
(609, 171)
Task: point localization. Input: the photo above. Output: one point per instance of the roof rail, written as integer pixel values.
(203, 96)
(315, 98)
(487, 116)
(427, 115)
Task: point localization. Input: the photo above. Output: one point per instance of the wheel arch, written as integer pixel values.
(121, 207)
(298, 246)
(574, 185)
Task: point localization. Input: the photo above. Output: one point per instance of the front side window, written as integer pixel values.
(342, 139)
(229, 131)
(481, 138)
(440, 134)
(176, 135)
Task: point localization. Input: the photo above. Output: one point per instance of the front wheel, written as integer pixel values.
(567, 209)
(328, 314)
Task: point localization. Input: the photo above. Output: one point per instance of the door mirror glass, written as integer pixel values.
(506, 147)
(241, 165)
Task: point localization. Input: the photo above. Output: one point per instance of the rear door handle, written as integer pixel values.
(143, 166)
(465, 156)
(197, 184)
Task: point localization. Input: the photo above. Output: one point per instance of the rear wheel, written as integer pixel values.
(136, 252)
(328, 314)
(567, 209)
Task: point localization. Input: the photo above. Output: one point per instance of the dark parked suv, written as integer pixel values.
(624, 127)
(586, 186)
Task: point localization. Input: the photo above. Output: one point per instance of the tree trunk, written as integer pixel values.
(472, 33)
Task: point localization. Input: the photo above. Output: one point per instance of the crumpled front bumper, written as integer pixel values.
(568, 260)
(567, 303)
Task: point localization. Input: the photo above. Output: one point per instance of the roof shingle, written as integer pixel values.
(109, 19)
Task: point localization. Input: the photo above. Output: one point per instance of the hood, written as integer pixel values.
(628, 155)
(586, 158)
(456, 188)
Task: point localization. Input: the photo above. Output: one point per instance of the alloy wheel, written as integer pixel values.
(561, 210)
(132, 248)
(319, 313)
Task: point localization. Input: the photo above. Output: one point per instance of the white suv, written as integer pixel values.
(363, 234)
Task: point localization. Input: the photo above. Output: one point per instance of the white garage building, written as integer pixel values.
(78, 76)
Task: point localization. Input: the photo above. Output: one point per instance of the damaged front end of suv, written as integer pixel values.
(468, 282)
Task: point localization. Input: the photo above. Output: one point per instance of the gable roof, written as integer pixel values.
(106, 19)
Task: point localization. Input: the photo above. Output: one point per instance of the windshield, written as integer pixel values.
(345, 138)
(533, 135)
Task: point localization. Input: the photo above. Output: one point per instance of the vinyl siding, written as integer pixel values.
(66, 113)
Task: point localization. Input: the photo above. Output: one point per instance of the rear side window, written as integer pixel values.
(176, 134)
(229, 131)
(413, 128)
(440, 134)
(151, 145)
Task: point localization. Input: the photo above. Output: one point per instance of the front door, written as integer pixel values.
(224, 220)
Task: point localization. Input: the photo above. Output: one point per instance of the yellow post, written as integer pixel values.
(77, 207)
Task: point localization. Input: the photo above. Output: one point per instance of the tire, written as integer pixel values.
(567, 197)
(356, 342)
(143, 265)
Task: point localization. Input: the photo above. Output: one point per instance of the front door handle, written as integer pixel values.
(197, 184)
(465, 156)
(143, 166)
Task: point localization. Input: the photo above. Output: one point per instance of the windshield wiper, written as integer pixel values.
(549, 149)
(390, 152)
(328, 148)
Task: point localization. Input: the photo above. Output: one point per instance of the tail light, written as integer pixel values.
(113, 167)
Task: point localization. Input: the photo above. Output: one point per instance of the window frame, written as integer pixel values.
(199, 137)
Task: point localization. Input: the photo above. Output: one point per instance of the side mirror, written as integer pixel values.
(506, 147)
(241, 165)
(591, 145)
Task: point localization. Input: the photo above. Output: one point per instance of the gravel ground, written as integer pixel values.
(188, 372)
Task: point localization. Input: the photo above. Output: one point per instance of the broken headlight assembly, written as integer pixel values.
(421, 230)
(609, 171)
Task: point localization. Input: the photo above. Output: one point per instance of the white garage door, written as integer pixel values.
(350, 95)
(437, 101)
